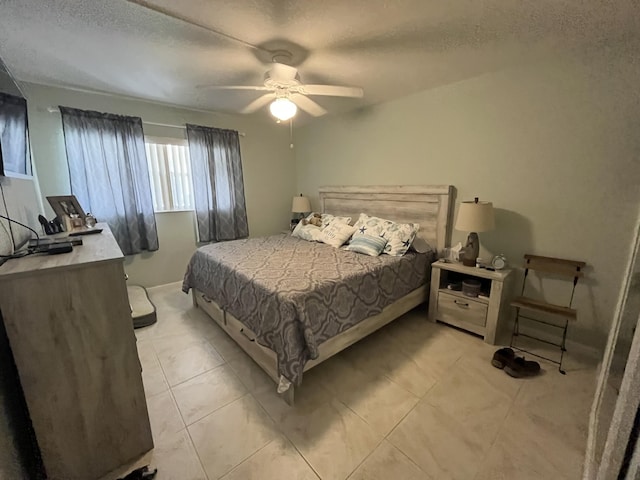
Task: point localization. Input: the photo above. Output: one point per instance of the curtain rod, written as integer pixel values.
(156, 124)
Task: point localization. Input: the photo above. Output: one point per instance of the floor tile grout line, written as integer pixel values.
(365, 458)
(386, 437)
(400, 386)
(175, 404)
(195, 450)
(499, 430)
(420, 399)
(216, 409)
(193, 446)
(383, 436)
(195, 376)
(246, 459)
(182, 382)
(410, 459)
(250, 390)
(283, 433)
(335, 396)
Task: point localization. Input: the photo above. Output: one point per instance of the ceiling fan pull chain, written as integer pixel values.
(291, 132)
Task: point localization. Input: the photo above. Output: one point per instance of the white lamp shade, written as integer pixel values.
(475, 217)
(283, 109)
(300, 205)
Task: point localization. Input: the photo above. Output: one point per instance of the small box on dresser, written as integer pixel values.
(480, 315)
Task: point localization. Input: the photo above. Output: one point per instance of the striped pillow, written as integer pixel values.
(367, 244)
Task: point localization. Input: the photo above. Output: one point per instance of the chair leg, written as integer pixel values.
(516, 327)
(563, 347)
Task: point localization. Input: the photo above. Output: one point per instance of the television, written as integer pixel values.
(15, 157)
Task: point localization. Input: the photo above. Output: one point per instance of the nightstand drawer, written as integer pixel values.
(455, 308)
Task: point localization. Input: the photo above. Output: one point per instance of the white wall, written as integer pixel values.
(554, 145)
(268, 167)
(21, 196)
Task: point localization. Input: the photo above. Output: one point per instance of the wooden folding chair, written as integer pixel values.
(558, 268)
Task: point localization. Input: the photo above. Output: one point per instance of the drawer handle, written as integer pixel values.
(461, 303)
(247, 336)
(204, 297)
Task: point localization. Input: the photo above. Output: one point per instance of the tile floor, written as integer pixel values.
(415, 400)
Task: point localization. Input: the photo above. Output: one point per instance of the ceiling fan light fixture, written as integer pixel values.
(283, 109)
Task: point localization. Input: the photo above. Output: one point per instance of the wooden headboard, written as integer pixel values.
(428, 205)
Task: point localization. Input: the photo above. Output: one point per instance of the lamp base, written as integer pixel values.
(471, 250)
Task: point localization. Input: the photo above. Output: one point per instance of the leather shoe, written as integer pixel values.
(520, 368)
(502, 357)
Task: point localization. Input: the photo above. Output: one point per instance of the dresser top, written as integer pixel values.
(99, 247)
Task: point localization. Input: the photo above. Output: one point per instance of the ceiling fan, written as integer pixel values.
(286, 92)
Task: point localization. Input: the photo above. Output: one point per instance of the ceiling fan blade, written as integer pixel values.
(258, 103)
(282, 72)
(307, 105)
(333, 91)
(233, 87)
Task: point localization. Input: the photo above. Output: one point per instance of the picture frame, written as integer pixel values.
(64, 207)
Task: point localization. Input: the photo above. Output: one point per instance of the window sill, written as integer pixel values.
(173, 211)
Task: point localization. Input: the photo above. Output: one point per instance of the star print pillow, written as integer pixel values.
(374, 226)
(399, 238)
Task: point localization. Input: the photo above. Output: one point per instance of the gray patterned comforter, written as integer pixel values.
(295, 294)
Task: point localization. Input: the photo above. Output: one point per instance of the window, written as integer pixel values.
(170, 174)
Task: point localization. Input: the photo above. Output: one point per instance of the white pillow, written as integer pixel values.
(308, 232)
(374, 226)
(399, 238)
(336, 234)
(327, 218)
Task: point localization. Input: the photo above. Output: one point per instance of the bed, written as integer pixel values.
(291, 304)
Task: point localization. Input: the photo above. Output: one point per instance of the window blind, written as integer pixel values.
(170, 172)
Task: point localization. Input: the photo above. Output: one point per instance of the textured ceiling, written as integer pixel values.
(390, 48)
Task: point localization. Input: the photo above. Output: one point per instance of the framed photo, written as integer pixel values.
(66, 206)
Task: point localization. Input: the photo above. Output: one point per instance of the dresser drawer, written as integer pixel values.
(454, 309)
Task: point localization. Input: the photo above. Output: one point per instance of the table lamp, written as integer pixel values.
(300, 205)
(474, 217)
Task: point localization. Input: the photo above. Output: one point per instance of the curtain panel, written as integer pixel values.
(109, 174)
(13, 135)
(218, 186)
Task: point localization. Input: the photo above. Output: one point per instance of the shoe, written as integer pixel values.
(502, 357)
(520, 368)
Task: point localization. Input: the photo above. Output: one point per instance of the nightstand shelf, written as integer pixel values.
(479, 315)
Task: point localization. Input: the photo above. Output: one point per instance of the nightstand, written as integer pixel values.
(479, 315)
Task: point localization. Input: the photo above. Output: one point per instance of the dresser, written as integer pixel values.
(482, 314)
(68, 322)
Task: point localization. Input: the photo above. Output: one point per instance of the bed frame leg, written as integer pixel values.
(288, 396)
(193, 298)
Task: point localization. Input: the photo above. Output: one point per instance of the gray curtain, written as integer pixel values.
(13, 135)
(218, 187)
(109, 174)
